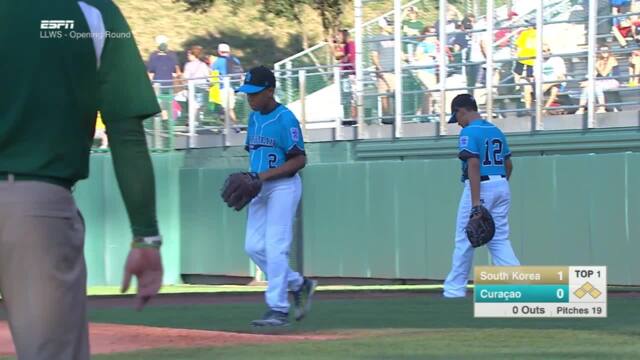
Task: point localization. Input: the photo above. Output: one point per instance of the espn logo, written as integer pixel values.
(56, 24)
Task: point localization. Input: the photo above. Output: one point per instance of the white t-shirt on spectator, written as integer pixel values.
(196, 70)
(553, 69)
(476, 38)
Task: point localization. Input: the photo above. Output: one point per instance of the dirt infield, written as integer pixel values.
(112, 338)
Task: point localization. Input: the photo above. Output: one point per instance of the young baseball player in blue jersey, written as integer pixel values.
(486, 168)
(276, 154)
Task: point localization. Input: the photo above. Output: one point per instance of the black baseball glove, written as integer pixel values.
(480, 228)
(240, 188)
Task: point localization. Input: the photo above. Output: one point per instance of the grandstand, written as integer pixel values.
(325, 98)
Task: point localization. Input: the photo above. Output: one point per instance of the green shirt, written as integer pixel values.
(57, 75)
(412, 28)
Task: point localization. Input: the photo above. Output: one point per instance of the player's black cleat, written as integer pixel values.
(272, 318)
(302, 298)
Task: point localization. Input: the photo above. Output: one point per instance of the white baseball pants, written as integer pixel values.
(269, 235)
(496, 197)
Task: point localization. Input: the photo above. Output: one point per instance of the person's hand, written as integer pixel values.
(146, 265)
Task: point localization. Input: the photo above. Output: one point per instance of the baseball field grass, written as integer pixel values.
(374, 324)
(412, 327)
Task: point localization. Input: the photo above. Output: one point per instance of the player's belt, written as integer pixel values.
(491, 177)
(67, 184)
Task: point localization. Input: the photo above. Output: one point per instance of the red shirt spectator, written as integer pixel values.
(627, 26)
(346, 52)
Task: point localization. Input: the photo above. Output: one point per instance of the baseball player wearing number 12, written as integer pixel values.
(486, 168)
(276, 154)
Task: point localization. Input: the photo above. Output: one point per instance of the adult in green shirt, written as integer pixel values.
(412, 27)
(62, 62)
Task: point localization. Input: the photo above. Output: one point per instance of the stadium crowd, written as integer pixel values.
(513, 46)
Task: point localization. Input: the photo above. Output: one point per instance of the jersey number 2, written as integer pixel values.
(272, 160)
(492, 156)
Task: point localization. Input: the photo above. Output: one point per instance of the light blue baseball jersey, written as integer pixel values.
(485, 141)
(272, 138)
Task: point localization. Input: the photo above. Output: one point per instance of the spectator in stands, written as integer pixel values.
(427, 55)
(449, 27)
(503, 56)
(196, 68)
(469, 21)
(477, 52)
(214, 81)
(523, 69)
(634, 68)
(452, 15)
(163, 66)
(459, 37)
(411, 27)
(553, 69)
(163, 69)
(627, 27)
(345, 51)
(619, 7)
(382, 57)
(228, 65)
(458, 46)
(345, 54)
(606, 65)
(196, 71)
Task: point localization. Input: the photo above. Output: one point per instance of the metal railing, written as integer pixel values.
(194, 107)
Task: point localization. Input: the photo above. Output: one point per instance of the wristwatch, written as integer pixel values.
(147, 241)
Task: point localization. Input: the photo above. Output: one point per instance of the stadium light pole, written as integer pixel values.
(591, 63)
(359, 69)
(538, 124)
(397, 39)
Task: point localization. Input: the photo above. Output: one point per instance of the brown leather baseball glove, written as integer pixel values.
(240, 188)
(480, 228)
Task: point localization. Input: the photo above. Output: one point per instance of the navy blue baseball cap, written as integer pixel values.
(465, 101)
(257, 80)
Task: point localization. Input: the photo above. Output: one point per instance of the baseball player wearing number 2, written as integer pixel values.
(486, 168)
(276, 154)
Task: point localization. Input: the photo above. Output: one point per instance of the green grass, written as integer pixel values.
(428, 312)
(419, 327)
(428, 344)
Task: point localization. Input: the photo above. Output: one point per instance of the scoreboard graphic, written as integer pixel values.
(540, 291)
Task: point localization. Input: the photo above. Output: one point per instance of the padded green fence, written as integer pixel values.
(108, 231)
(386, 209)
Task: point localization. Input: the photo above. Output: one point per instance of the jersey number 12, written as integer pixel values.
(492, 153)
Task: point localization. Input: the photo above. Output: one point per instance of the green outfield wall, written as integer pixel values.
(386, 209)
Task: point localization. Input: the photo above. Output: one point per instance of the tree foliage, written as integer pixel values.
(330, 11)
